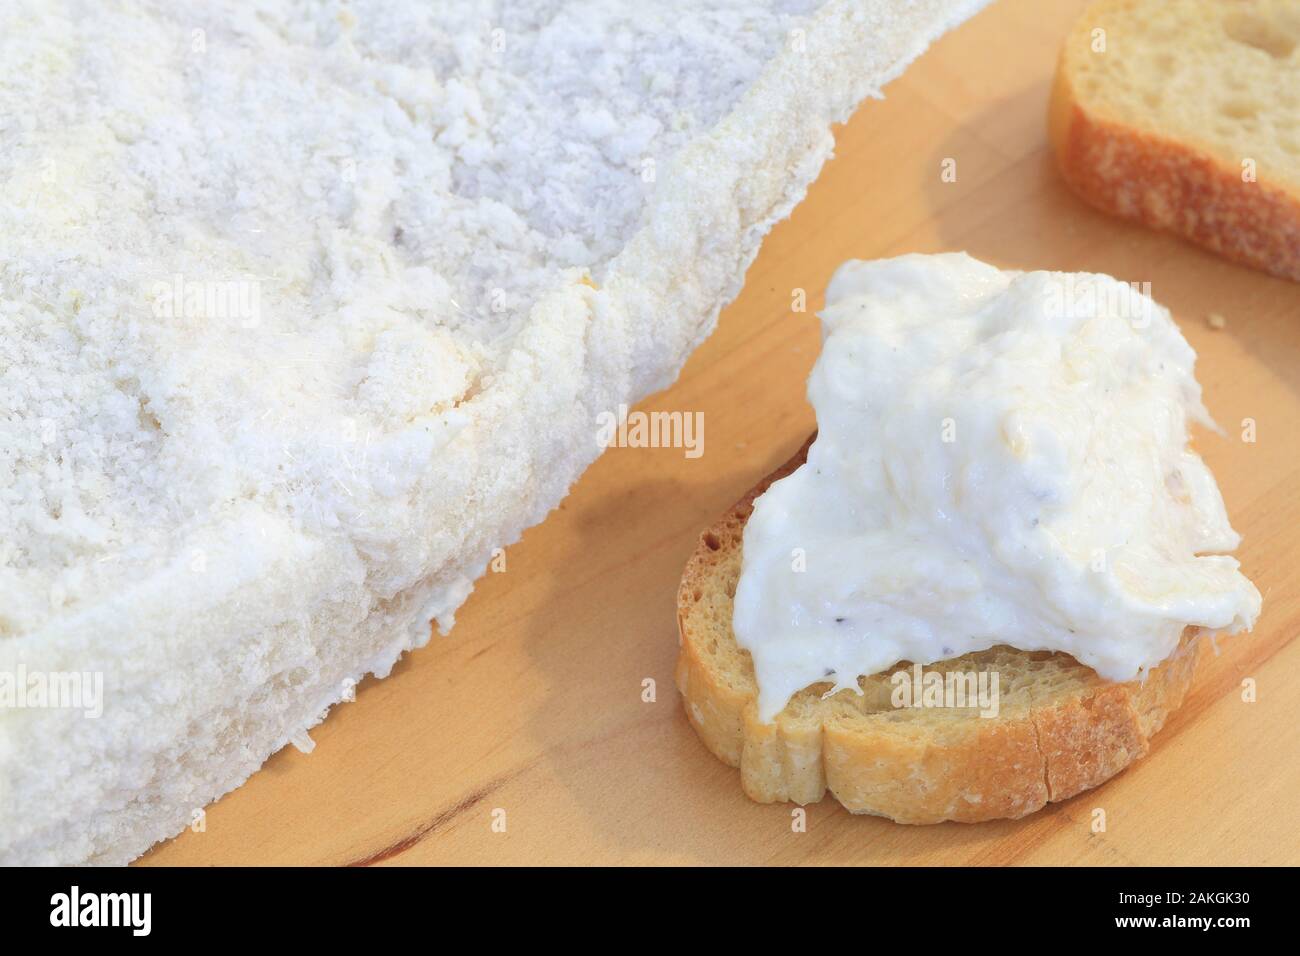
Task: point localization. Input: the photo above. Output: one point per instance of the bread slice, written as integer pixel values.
(1184, 115)
(1060, 729)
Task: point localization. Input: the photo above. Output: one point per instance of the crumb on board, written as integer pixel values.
(1216, 321)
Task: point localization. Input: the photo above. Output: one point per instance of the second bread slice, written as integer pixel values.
(1060, 729)
(1184, 115)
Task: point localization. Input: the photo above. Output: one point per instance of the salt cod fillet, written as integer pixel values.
(306, 306)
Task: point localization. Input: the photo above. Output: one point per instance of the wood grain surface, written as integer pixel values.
(533, 711)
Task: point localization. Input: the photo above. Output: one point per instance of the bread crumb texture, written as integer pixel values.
(1185, 115)
(307, 305)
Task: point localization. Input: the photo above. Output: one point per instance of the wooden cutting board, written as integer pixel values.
(535, 711)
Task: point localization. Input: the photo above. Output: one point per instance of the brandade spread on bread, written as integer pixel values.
(1002, 458)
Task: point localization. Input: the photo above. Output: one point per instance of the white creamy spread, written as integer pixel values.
(1001, 459)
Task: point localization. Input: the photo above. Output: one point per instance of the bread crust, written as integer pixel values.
(1171, 185)
(977, 769)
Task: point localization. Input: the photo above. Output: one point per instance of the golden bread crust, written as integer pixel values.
(911, 765)
(1169, 184)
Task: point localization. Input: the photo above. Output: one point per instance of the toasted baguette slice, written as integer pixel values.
(1060, 729)
(1164, 111)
